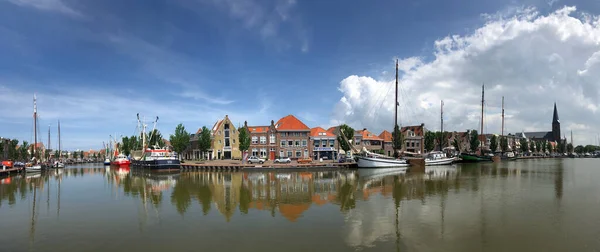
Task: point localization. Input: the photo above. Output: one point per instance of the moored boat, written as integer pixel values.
(472, 158)
(158, 159)
(438, 158)
(373, 160)
(121, 160)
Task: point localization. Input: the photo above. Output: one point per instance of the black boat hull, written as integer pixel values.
(157, 164)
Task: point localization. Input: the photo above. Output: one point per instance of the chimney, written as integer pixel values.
(226, 116)
(272, 122)
(365, 129)
(245, 124)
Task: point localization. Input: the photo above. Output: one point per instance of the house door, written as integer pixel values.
(227, 155)
(272, 155)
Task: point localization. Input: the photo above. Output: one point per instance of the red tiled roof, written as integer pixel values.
(216, 126)
(289, 123)
(386, 136)
(199, 131)
(318, 132)
(258, 129)
(418, 130)
(366, 135)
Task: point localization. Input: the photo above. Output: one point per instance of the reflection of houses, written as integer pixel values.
(324, 143)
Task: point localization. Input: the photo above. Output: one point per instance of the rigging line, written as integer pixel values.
(377, 115)
(379, 101)
(409, 110)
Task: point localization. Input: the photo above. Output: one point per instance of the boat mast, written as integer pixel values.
(395, 110)
(482, 100)
(59, 150)
(48, 139)
(34, 125)
(502, 116)
(442, 122)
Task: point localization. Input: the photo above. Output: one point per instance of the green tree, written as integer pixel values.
(94, 156)
(47, 154)
(538, 146)
(474, 142)
(348, 134)
(570, 148)
(156, 139)
(560, 147)
(244, 139)
(456, 144)
(543, 146)
(204, 139)
(125, 147)
(180, 140)
(24, 151)
(429, 141)
(397, 140)
(494, 143)
(80, 154)
(532, 146)
(12, 149)
(135, 143)
(504, 144)
(524, 145)
(579, 149)
(56, 154)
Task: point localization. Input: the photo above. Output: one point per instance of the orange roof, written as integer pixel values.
(366, 135)
(293, 212)
(418, 130)
(386, 136)
(332, 130)
(320, 132)
(290, 123)
(258, 129)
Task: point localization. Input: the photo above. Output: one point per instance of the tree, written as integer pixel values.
(204, 140)
(504, 144)
(474, 142)
(12, 149)
(538, 146)
(348, 134)
(397, 140)
(429, 141)
(156, 139)
(24, 150)
(579, 149)
(47, 154)
(135, 143)
(56, 154)
(125, 147)
(180, 140)
(560, 147)
(456, 144)
(75, 155)
(244, 140)
(524, 145)
(532, 146)
(570, 148)
(94, 156)
(494, 143)
(543, 146)
(80, 154)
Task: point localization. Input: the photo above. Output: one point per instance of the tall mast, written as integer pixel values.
(48, 138)
(34, 124)
(395, 107)
(482, 100)
(59, 150)
(571, 137)
(502, 115)
(442, 123)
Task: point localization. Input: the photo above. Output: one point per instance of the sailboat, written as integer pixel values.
(58, 163)
(106, 154)
(151, 155)
(474, 158)
(439, 157)
(507, 156)
(369, 159)
(34, 166)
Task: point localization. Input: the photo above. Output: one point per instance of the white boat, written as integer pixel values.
(373, 160)
(33, 168)
(438, 158)
(59, 164)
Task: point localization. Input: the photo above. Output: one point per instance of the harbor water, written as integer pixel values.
(524, 205)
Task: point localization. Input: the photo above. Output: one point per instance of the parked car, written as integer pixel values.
(255, 159)
(283, 160)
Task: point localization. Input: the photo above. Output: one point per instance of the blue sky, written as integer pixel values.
(95, 64)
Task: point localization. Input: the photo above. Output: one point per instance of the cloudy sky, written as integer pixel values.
(95, 64)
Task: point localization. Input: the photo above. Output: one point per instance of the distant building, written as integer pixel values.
(323, 143)
(414, 138)
(263, 140)
(368, 140)
(293, 136)
(224, 140)
(550, 136)
(388, 145)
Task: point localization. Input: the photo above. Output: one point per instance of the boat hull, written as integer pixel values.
(369, 162)
(157, 164)
(34, 168)
(469, 158)
(441, 161)
(121, 162)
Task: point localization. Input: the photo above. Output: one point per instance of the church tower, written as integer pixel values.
(555, 125)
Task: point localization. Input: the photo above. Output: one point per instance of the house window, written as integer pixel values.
(413, 144)
(273, 149)
(297, 142)
(304, 143)
(219, 141)
(331, 143)
(305, 153)
(281, 154)
(254, 152)
(298, 154)
(290, 143)
(407, 144)
(282, 143)
(357, 141)
(272, 139)
(317, 143)
(227, 142)
(233, 141)
(263, 140)
(324, 143)
(254, 140)
(263, 152)
(289, 154)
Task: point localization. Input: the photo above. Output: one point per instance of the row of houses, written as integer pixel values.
(290, 137)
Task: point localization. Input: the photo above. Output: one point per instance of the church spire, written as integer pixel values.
(555, 116)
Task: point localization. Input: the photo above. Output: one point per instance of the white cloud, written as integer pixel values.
(48, 5)
(530, 59)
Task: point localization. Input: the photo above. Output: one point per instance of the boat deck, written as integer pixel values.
(6, 172)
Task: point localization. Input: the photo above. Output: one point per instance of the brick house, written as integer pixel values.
(414, 138)
(224, 140)
(323, 143)
(263, 140)
(388, 146)
(293, 136)
(368, 140)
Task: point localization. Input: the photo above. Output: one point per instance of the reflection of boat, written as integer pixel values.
(379, 173)
(283, 176)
